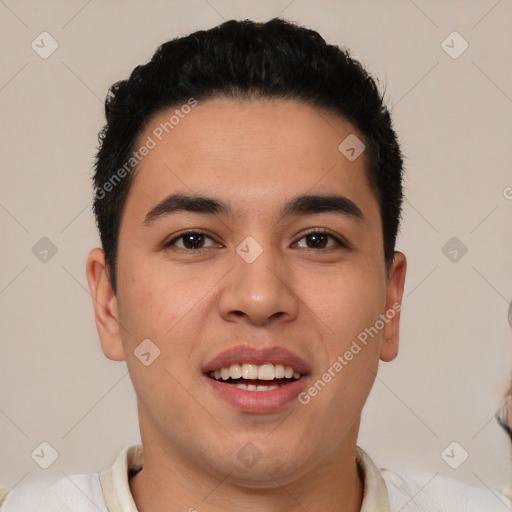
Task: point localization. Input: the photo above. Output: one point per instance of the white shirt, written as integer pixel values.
(384, 491)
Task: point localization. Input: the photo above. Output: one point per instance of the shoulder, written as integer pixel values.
(73, 493)
(426, 492)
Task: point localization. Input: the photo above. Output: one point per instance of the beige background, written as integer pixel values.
(454, 118)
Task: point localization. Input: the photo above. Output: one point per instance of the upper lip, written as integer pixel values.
(247, 354)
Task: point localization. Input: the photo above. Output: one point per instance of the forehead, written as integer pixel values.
(249, 152)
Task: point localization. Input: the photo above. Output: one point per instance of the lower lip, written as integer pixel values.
(257, 401)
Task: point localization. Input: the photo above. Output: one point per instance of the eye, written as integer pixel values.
(191, 241)
(319, 239)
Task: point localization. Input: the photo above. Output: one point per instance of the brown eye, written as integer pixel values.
(193, 240)
(190, 241)
(317, 240)
(320, 240)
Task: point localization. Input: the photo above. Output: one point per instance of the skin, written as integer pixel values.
(313, 301)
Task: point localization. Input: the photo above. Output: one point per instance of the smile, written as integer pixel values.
(264, 377)
(256, 379)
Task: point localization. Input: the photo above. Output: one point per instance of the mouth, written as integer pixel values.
(254, 377)
(256, 380)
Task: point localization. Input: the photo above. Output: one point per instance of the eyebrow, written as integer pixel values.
(299, 205)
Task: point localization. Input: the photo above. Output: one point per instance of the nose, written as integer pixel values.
(260, 292)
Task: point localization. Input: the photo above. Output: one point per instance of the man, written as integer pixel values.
(248, 191)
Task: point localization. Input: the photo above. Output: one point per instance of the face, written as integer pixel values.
(248, 281)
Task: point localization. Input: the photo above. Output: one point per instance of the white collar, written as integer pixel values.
(118, 497)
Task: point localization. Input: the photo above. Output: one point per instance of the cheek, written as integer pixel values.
(155, 301)
(157, 306)
(350, 306)
(348, 299)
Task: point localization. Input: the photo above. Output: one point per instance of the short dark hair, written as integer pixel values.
(244, 59)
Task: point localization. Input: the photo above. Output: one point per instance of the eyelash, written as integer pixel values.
(338, 240)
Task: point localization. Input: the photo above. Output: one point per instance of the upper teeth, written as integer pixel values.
(267, 371)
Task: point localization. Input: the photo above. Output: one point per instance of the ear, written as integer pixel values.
(105, 306)
(394, 292)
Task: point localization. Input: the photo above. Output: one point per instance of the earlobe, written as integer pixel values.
(105, 306)
(388, 350)
(394, 293)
